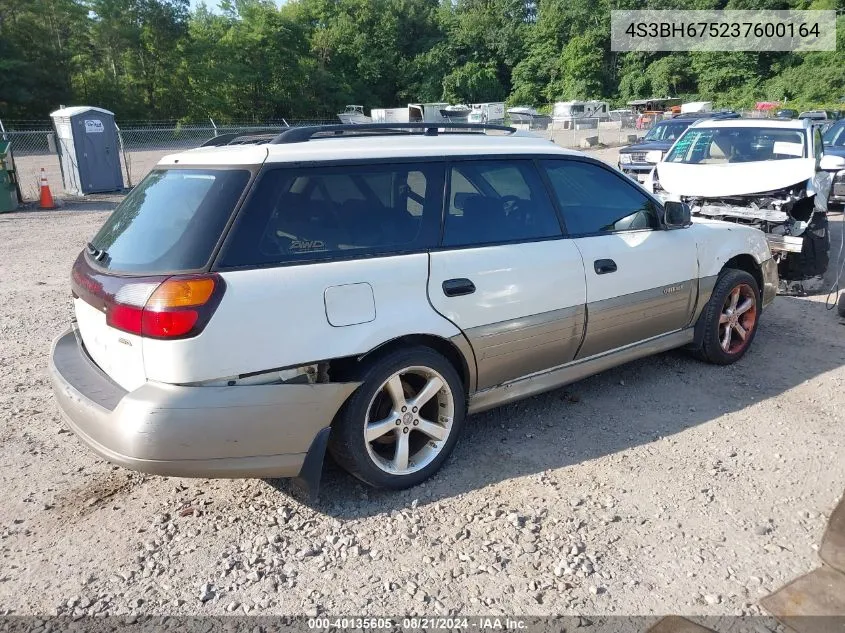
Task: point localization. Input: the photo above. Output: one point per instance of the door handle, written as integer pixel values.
(458, 287)
(604, 266)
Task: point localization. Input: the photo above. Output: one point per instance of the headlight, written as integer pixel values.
(624, 158)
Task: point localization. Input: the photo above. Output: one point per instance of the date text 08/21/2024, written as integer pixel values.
(418, 623)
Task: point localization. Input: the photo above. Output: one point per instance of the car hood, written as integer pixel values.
(733, 179)
(647, 146)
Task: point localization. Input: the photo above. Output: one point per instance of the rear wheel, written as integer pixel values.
(399, 427)
(728, 323)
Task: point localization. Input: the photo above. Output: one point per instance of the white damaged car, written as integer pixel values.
(766, 173)
(362, 289)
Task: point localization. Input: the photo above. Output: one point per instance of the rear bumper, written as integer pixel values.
(240, 431)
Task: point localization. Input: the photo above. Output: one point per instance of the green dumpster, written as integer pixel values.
(8, 188)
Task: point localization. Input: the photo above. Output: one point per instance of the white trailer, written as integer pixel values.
(412, 113)
(389, 115)
(567, 113)
(487, 113)
(697, 106)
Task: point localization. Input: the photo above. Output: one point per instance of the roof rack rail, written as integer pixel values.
(220, 139)
(249, 139)
(238, 138)
(306, 133)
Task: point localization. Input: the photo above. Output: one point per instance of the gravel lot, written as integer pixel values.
(663, 486)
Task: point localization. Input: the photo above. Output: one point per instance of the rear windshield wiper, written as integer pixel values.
(97, 253)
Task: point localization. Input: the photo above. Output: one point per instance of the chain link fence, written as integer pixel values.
(144, 143)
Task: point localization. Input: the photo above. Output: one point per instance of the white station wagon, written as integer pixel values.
(364, 290)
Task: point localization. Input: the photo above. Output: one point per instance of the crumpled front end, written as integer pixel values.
(795, 223)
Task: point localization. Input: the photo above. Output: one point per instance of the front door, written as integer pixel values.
(641, 278)
(504, 274)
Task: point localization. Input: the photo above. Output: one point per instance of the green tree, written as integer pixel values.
(472, 83)
(37, 43)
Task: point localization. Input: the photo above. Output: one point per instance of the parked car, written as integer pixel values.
(834, 145)
(766, 173)
(814, 115)
(247, 306)
(638, 160)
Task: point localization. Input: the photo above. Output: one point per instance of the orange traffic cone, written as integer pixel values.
(47, 201)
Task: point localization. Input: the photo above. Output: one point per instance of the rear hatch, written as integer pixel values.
(143, 274)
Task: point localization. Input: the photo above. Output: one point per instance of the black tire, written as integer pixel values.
(347, 443)
(708, 331)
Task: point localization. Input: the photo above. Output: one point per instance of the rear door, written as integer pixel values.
(642, 280)
(323, 262)
(504, 274)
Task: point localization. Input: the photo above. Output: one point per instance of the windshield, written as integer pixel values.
(170, 222)
(667, 131)
(713, 145)
(835, 136)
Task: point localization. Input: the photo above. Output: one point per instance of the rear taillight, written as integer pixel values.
(159, 307)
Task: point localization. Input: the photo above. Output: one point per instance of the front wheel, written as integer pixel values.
(401, 424)
(729, 321)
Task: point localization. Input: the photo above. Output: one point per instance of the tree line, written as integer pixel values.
(255, 60)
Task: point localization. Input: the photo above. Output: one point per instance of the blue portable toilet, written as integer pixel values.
(88, 148)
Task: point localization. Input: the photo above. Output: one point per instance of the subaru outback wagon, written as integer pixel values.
(247, 307)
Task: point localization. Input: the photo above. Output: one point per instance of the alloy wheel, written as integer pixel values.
(738, 319)
(409, 420)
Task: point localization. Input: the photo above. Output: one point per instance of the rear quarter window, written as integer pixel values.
(171, 221)
(327, 213)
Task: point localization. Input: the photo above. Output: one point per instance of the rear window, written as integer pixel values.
(300, 215)
(667, 131)
(171, 221)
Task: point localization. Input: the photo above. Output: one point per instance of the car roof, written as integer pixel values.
(790, 124)
(370, 147)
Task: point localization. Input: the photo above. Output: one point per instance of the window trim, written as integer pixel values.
(215, 265)
(618, 174)
(329, 257)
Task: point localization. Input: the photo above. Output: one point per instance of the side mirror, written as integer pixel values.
(654, 156)
(676, 214)
(829, 162)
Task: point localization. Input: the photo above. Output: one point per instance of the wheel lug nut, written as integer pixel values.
(398, 422)
(405, 430)
(414, 409)
(416, 422)
(404, 409)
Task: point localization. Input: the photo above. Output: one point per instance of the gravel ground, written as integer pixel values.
(663, 486)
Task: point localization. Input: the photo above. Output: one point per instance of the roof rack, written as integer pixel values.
(237, 138)
(306, 133)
